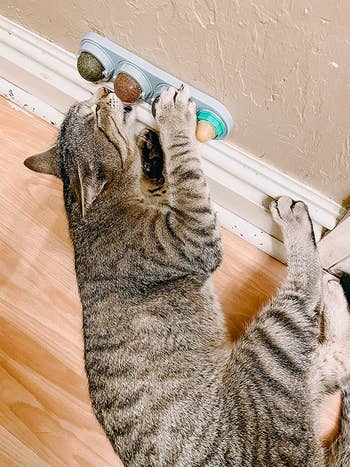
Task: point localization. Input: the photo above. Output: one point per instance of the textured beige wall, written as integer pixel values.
(282, 67)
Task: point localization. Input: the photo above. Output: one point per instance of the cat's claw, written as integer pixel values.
(175, 109)
(286, 211)
(293, 218)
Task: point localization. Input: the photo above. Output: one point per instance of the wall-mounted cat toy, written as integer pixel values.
(134, 78)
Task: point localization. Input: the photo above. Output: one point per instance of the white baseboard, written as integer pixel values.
(334, 248)
(42, 78)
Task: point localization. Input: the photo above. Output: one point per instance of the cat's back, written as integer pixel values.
(155, 377)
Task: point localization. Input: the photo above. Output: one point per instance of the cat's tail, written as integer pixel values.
(339, 453)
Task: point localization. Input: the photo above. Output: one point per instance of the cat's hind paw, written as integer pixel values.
(293, 218)
(286, 211)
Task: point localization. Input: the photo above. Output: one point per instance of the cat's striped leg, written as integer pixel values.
(331, 361)
(272, 361)
(304, 270)
(190, 216)
(339, 451)
(293, 315)
(337, 371)
(336, 311)
(297, 305)
(176, 116)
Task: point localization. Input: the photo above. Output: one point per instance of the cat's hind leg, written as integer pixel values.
(292, 318)
(336, 312)
(332, 362)
(339, 451)
(298, 302)
(272, 361)
(304, 270)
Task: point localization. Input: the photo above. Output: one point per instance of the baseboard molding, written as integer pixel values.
(334, 247)
(42, 78)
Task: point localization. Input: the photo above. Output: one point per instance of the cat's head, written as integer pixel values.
(93, 143)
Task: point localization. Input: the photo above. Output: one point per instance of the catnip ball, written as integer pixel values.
(89, 67)
(205, 131)
(127, 89)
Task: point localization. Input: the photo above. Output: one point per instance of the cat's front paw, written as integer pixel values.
(174, 111)
(292, 216)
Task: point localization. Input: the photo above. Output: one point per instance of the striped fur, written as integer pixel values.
(165, 384)
(339, 452)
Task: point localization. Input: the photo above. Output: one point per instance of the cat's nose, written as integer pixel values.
(107, 91)
(101, 93)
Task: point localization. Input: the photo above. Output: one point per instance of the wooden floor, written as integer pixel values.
(45, 414)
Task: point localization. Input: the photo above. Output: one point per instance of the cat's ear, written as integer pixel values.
(89, 187)
(44, 162)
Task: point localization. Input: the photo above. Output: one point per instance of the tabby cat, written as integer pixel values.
(166, 385)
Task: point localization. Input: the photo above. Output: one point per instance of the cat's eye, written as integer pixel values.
(97, 108)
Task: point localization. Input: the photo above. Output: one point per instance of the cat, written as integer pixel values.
(166, 384)
(331, 361)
